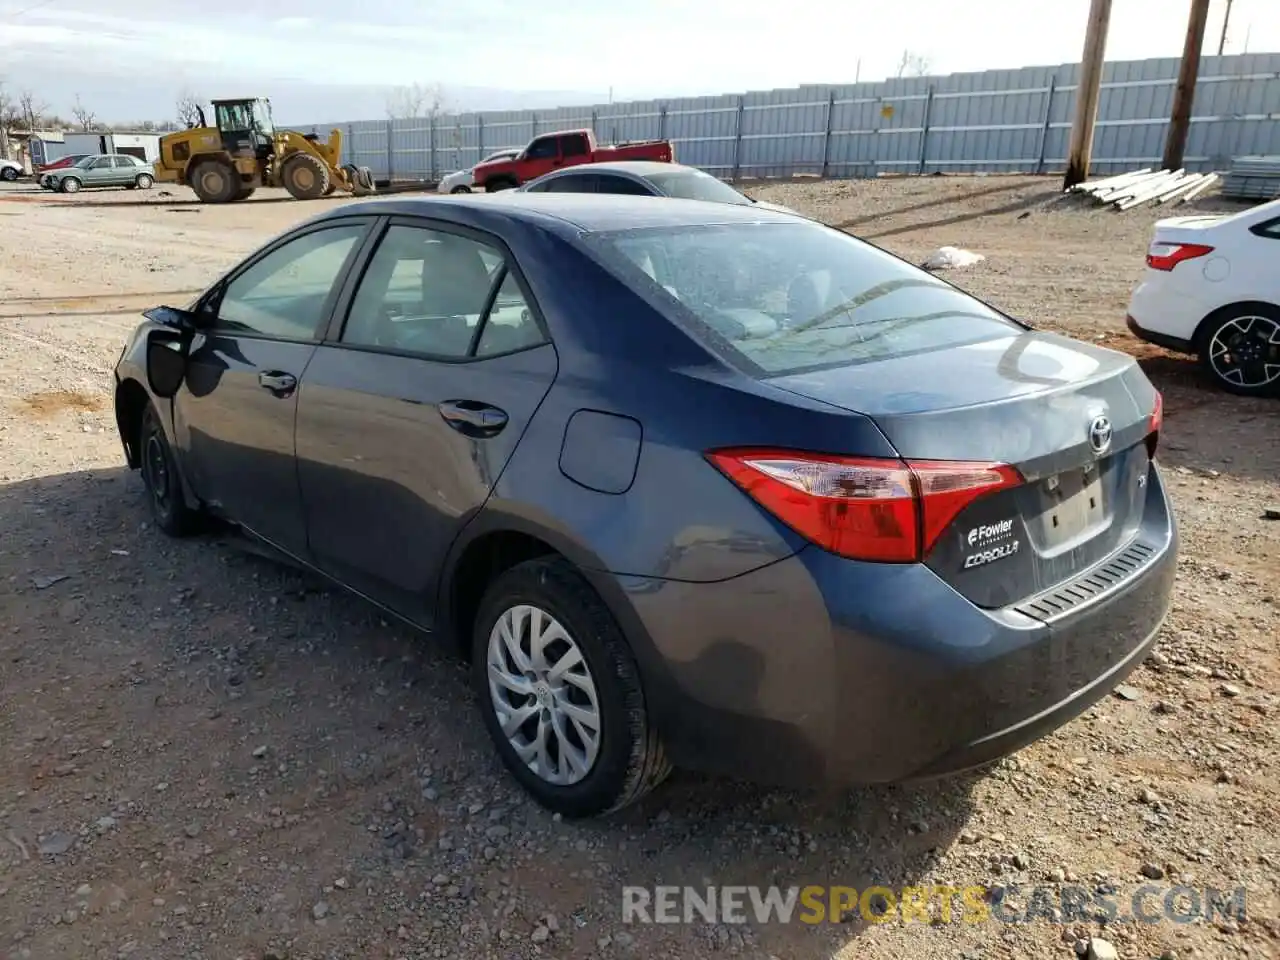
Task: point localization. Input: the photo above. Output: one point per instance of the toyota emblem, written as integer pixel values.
(1100, 435)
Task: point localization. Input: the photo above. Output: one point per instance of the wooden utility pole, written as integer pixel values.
(1088, 90)
(1185, 93)
(1226, 20)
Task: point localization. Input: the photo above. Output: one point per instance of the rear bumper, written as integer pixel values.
(820, 669)
(1177, 344)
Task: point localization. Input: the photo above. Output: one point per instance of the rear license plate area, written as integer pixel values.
(1073, 507)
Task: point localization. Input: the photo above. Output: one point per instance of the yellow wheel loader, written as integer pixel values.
(243, 151)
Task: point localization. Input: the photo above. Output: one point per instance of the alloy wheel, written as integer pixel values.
(1245, 351)
(543, 694)
(156, 464)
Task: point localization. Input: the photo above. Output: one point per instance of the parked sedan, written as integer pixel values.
(646, 179)
(60, 163)
(688, 483)
(102, 170)
(461, 181)
(1212, 289)
(45, 173)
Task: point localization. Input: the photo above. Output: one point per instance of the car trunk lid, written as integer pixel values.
(1070, 416)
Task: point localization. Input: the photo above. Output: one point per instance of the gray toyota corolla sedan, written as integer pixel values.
(689, 484)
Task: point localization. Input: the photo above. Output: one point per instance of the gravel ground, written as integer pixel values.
(206, 755)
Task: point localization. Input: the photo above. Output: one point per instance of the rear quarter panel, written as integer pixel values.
(680, 518)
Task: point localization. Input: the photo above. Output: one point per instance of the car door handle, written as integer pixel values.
(473, 418)
(279, 383)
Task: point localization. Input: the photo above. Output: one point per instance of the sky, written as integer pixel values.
(334, 60)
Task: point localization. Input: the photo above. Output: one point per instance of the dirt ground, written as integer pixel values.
(206, 755)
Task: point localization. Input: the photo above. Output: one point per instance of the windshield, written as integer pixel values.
(265, 122)
(696, 185)
(779, 298)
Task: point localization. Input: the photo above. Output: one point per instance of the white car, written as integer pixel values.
(10, 170)
(461, 181)
(1212, 289)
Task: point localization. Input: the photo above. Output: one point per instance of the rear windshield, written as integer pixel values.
(789, 297)
(696, 185)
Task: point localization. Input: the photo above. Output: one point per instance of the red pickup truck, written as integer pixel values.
(565, 148)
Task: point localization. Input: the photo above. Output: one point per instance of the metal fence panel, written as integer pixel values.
(993, 120)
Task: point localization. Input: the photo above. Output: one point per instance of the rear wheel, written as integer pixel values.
(460, 190)
(245, 192)
(1240, 349)
(305, 177)
(561, 693)
(215, 182)
(8, 173)
(160, 476)
(69, 185)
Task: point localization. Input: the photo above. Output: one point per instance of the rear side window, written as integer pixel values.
(441, 295)
(575, 145)
(780, 298)
(577, 183)
(609, 183)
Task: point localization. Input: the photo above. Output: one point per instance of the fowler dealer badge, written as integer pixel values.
(990, 542)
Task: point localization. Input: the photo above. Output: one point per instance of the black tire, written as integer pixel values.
(1234, 344)
(69, 185)
(160, 476)
(305, 177)
(144, 181)
(630, 761)
(245, 193)
(9, 173)
(215, 182)
(460, 189)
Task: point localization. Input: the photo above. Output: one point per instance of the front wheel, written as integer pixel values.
(461, 189)
(8, 173)
(144, 181)
(1240, 350)
(160, 476)
(70, 185)
(561, 692)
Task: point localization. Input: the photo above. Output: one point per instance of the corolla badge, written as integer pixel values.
(1100, 432)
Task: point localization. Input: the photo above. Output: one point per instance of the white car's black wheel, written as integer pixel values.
(461, 189)
(561, 694)
(1240, 349)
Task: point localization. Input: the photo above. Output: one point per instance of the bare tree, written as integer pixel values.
(85, 118)
(8, 116)
(415, 100)
(914, 64)
(31, 109)
(188, 108)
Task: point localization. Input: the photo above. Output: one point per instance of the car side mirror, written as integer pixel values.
(177, 318)
(167, 349)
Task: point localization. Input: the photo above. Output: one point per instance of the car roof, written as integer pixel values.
(564, 213)
(639, 168)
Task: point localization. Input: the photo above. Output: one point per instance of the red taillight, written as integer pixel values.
(1166, 256)
(865, 509)
(1154, 424)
